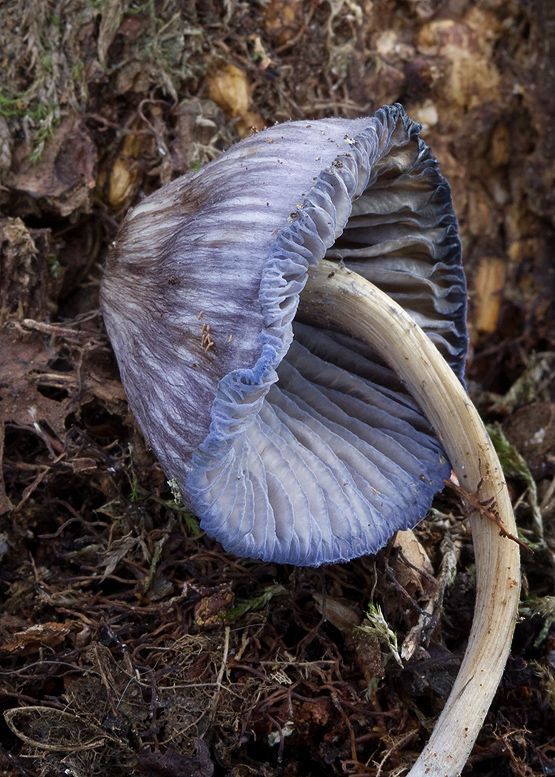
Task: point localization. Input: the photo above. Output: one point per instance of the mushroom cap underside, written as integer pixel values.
(291, 442)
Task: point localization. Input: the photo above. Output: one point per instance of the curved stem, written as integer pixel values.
(336, 297)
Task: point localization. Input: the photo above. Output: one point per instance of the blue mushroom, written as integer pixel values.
(291, 442)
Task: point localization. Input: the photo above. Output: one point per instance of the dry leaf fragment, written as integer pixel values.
(125, 175)
(229, 88)
(488, 294)
(32, 639)
(339, 613)
(413, 568)
(65, 174)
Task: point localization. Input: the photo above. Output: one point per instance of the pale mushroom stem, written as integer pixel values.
(336, 297)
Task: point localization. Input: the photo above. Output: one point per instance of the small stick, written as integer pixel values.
(54, 329)
(489, 510)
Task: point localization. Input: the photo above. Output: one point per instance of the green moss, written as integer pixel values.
(255, 602)
(54, 267)
(376, 626)
(148, 6)
(544, 606)
(515, 466)
(13, 106)
(78, 70)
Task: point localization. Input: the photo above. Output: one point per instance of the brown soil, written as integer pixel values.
(130, 643)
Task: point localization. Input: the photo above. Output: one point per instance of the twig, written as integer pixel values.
(223, 666)
(488, 510)
(54, 329)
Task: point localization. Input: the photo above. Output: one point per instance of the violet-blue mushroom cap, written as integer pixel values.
(291, 443)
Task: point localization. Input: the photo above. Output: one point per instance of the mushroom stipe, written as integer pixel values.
(339, 298)
(310, 436)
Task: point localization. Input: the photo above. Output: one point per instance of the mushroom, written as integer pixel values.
(304, 450)
(311, 439)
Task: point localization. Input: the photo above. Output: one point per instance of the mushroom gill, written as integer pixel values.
(292, 442)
